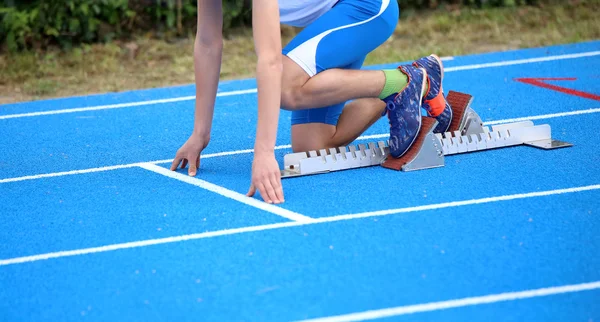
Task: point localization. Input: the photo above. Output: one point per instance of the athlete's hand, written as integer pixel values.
(190, 153)
(266, 177)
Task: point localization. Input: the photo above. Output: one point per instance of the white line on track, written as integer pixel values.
(522, 61)
(66, 173)
(469, 301)
(254, 90)
(123, 105)
(545, 116)
(222, 154)
(235, 152)
(279, 147)
(518, 119)
(464, 203)
(288, 214)
(144, 243)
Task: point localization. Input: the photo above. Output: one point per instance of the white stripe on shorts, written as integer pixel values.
(305, 55)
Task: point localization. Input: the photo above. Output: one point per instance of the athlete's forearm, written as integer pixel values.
(269, 70)
(207, 68)
(268, 76)
(208, 49)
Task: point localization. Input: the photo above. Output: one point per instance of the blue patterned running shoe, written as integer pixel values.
(434, 101)
(404, 111)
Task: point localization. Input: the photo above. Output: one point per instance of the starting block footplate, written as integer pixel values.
(466, 134)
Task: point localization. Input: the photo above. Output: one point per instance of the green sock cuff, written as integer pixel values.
(395, 81)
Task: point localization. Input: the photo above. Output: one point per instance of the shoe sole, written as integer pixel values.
(439, 60)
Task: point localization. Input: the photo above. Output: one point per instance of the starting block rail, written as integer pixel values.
(466, 134)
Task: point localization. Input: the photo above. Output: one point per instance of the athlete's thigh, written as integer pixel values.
(323, 115)
(314, 128)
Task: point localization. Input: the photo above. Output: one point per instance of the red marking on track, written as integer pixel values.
(540, 82)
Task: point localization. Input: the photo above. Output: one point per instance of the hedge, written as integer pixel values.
(27, 24)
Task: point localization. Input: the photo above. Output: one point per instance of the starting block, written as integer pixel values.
(466, 134)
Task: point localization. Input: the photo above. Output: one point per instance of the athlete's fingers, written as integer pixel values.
(277, 188)
(267, 191)
(278, 177)
(263, 193)
(175, 163)
(192, 169)
(251, 191)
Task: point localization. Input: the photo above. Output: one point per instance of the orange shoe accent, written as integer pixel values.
(437, 104)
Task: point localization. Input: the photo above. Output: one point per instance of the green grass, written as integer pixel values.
(145, 62)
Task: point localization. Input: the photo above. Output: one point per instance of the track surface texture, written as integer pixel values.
(95, 227)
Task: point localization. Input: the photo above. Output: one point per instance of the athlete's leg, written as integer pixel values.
(356, 117)
(333, 55)
(331, 87)
(327, 48)
(332, 75)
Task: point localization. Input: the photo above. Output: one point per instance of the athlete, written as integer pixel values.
(314, 76)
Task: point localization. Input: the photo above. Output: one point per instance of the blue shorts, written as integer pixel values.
(340, 38)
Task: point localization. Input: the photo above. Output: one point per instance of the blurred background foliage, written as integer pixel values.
(38, 24)
(54, 48)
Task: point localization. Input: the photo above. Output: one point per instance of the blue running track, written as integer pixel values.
(94, 228)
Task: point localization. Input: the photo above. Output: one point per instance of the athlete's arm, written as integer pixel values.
(267, 40)
(208, 48)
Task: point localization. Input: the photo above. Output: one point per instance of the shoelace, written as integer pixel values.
(389, 107)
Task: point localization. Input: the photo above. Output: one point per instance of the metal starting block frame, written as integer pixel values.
(466, 134)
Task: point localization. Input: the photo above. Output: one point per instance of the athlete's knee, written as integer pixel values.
(312, 136)
(294, 78)
(291, 98)
(303, 144)
(300, 144)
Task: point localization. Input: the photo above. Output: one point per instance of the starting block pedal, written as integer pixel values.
(425, 153)
(466, 134)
